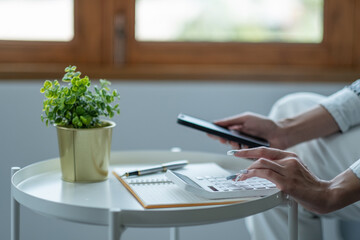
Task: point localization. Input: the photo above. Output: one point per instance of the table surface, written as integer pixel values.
(40, 188)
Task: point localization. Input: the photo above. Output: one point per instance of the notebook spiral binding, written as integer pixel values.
(149, 181)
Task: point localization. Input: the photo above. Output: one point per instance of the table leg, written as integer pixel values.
(293, 219)
(115, 226)
(15, 212)
(174, 233)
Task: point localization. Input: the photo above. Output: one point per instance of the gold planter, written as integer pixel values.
(85, 153)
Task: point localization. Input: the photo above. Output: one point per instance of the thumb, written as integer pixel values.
(231, 121)
(237, 128)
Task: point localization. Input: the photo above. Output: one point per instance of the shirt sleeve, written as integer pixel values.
(344, 106)
(355, 167)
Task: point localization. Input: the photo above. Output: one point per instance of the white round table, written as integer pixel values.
(39, 187)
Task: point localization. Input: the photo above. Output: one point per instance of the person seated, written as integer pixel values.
(313, 157)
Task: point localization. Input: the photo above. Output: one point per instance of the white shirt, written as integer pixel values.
(344, 106)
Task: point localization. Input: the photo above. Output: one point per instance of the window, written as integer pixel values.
(40, 20)
(329, 45)
(250, 39)
(48, 32)
(229, 20)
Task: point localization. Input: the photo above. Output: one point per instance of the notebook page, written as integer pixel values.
(155, 191)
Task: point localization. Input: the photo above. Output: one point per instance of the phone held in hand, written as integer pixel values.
(225, 133)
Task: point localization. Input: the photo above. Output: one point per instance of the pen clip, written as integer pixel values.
(174, 164)
(157, 168)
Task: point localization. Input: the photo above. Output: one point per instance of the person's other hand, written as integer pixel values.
(290, 175)
(255, 125)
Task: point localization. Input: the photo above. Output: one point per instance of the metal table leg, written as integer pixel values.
(293, 219)
(115, 226)
(174, 233)
(15, 212)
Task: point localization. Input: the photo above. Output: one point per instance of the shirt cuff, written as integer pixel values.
(355, 87)
(344, 106)
(355, 167)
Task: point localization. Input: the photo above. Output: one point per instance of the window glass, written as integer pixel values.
(229, 20)
(37, 20)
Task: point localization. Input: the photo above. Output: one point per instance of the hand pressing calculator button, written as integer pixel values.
(217, 187)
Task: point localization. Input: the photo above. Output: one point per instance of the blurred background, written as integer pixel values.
(210, 59)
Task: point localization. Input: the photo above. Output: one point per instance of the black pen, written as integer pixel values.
(158, 168)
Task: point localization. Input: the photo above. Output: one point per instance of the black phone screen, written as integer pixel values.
(214, 129)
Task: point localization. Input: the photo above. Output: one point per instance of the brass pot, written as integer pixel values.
(85, 153)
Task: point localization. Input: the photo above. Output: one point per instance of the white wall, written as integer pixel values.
(147, 121)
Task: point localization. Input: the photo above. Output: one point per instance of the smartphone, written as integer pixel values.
(225, 133)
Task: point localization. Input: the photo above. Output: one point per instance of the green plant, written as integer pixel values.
(75, 105)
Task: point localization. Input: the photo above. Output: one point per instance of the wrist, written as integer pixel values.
(314, 123)
(318, 198)
(285, 133)
(330, 197)
(333, 196)
(343, 190)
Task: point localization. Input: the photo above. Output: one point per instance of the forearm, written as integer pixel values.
(328, 196)
(292, 177)
(343, 190)
(314, 123)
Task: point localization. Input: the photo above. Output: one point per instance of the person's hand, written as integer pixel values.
(288, 173)
(292, 177)
(255, 125)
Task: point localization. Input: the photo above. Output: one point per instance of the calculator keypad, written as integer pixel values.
(224, 185)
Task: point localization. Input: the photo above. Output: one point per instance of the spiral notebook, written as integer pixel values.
(156, 191)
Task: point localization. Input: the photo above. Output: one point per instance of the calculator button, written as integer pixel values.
(228, 184)
(241, 184)
(271, 185)
(236, 188)
(220, 179)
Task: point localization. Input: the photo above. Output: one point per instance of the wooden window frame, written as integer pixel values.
(105, 46)
(332, 51)
(88, 46)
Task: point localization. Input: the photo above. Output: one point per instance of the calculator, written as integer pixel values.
(218, 187)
